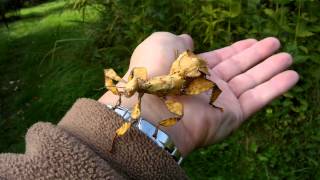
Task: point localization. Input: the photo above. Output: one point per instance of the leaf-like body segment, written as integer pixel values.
(169, 122)
(110, 73)
(136, 111)
(138, 72)
(189, 65)
(174, 107)
(123, 129)
(215, 94)
(111, 86)
(198, 86)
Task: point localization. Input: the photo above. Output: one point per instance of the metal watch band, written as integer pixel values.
(161, 139)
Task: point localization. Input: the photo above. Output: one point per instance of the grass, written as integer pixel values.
(35, 86)
(281, 142)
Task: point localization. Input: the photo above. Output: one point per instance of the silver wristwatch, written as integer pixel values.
(161, 138)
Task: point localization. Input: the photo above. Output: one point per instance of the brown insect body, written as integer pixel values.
(181, 73)
(187, 77)
(169, 85)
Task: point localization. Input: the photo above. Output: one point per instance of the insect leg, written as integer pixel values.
(136, 111)
(174, 107)
(120, 132)
(111, 86)
(118, 101)
(167, 123)
(135, 114)
(111, 74)
(114, 89)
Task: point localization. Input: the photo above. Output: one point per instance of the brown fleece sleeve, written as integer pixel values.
(133, 154)
(78, 149)
(52, 153)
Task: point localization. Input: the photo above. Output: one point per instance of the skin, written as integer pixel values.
(250, 74)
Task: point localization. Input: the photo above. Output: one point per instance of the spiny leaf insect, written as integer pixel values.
(187, 77)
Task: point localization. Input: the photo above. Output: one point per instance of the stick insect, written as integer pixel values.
(187, 77)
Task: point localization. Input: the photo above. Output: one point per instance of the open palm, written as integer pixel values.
(248, 72)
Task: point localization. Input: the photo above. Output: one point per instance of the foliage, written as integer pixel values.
(7, 6)
(280, 142)
(36, 86)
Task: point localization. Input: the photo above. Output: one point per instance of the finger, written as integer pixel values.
(260, 73)
(256, 98)
(187, 40)
(215, 57)
(247, 58)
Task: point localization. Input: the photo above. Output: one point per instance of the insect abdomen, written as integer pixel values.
(164, 85)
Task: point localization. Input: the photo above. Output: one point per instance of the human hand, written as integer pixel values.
(248, 72)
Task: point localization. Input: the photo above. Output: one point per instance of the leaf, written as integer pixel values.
(269, 12)
(304, 49)
(315, 28)
(288, 95)
(169, 122)
(284, 1)
(235, 9)
(254, 147)
(111, 87)
(110, 73)
(304, 33)
(198, 86)
(123, 129)
(262, 158)
(303, 30)
(252, 4)
(136, 111)
(174, 107)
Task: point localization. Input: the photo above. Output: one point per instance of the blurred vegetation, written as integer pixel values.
(44, 69)
(10, 9)
(35, 85)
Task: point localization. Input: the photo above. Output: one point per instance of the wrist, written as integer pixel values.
(154, 110)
